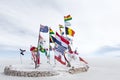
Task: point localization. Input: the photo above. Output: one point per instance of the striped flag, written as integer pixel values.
(69, 31)
(60, 49)
(61, 26)
(64, 42)
(67, 18)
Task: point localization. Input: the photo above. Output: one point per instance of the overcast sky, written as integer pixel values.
(96, 23)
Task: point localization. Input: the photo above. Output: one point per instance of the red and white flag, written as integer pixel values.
(64, 42)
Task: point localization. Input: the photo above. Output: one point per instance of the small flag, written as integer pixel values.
(61, 32)
(51, 31)
(61, 26)
(22, 51)
(43, 28)
(67, 24)
(43, 50)
(67, 18)
(58, 58)
(69, 31)
(82, 60)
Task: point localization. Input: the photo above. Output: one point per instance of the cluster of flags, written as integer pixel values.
(61, 43)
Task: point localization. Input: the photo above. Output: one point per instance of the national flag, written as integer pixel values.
(53, 39)
(51, 31)
(61, 26)
(64, 42)
(58, 58)
(60, 49)
(67, 24)
(81, 59)
(61, 32)
(43, 28)
(69, 31)
(43, 50)
(22, 51)
(41, 40)
(67, 18)
(34, 53)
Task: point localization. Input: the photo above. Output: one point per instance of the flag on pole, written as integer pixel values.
(43, 50)
(53, 39)
(81, 59)
(43, 28)
(58, 58)
(64, 42)
(67, 24)
(69, 31)
(60, 49)
(51, 31)
(22, 51)
(67, 18)
(61, 26)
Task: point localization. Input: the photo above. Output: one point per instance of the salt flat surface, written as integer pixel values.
(101, 68)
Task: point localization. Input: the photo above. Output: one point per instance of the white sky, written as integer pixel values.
(96, 22)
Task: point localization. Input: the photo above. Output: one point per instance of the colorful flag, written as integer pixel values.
(53, 39)
(43, 50)
(43, 28)
(82, 60)
(69, 31)
(64, 42)
(61, 32)
(67, 18)
(51, 31)
(61, 26)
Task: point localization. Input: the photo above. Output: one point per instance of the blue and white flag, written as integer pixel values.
(43, 28)
(60, 49)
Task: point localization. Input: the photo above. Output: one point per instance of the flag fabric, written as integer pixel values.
(61, 26)
(64, 42)
(51, 31)
(69, 31)
(67, 24)
(67, 18)
(60, 49)
(43, 50)
(58, 58)
(22, 51)
(41, 40)
(43, 28)
(53, 39)
(81, 59)
(61, 32)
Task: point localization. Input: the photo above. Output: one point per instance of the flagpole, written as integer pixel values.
(49, 45)
(38, 55)
(20, 58)
(68, 65)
